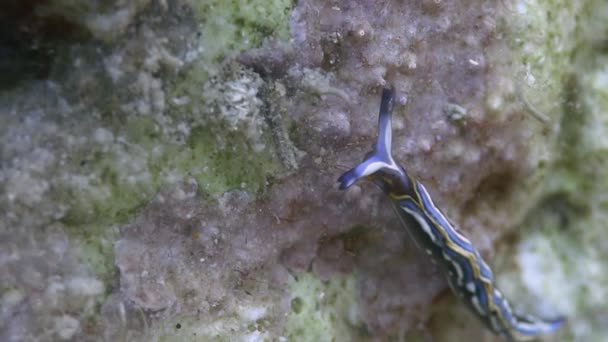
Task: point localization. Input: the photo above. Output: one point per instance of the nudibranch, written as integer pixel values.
(468, 275)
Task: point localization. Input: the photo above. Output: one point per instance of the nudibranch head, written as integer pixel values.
(380, 159)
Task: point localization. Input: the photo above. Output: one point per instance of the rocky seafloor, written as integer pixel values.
(168, 168)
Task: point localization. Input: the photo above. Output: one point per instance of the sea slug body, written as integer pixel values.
(468, 275)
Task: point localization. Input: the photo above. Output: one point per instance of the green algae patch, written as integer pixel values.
(541, 37)
(95, 248)
(323, 311)
(110, 176)
(233, 26)
(229, 144)
(220, 167)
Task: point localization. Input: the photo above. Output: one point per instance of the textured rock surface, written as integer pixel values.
(167, 168)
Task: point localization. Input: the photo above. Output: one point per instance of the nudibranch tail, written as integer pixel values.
(381, 157)
(530, 328)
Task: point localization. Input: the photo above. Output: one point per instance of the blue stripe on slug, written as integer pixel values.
(438, 216)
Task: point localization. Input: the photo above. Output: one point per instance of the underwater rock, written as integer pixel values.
(167, 169)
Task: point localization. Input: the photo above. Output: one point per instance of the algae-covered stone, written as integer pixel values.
(323, 310)
(167, 167)
(561, 255)
(87, 146)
